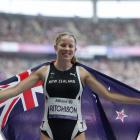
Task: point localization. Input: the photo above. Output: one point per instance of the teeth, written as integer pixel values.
(66, 53)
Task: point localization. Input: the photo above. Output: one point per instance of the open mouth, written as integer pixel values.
(66, 54)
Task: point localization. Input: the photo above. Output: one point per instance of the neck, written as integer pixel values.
(65, 65)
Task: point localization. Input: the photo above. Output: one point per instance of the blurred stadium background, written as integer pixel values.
(108, 34)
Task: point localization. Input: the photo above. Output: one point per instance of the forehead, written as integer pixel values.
(67, 39)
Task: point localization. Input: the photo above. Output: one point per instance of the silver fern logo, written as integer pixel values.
(52, 74)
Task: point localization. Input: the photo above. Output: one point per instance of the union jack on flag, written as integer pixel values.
(21, 116)
(17, 107)
(28, 97)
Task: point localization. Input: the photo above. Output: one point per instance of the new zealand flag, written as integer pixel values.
(21, 116)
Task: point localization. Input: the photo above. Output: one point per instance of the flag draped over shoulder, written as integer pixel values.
(21, 116)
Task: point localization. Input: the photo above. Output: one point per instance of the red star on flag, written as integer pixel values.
(121, 115)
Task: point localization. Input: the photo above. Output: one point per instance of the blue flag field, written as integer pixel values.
(21, 116)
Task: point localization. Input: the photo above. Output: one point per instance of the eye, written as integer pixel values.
(71, 46)
(63, 45)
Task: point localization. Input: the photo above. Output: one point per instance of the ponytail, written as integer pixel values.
(73, 60)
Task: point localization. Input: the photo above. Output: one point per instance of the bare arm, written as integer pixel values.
(98, 88)
(23, 85)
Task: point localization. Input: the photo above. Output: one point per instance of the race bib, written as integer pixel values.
(62, 107)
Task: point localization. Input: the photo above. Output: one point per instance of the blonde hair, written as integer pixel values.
(58, 38)
(73, 60)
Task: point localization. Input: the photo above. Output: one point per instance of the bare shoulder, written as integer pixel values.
(42, 71)
(83, 71)
(83, 74)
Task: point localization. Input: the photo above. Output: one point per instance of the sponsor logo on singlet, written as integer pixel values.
(73, 74)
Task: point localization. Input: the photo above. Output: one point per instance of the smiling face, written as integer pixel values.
(65, 47)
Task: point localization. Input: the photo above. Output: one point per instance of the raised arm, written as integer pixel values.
(23, 85)
(100, 89)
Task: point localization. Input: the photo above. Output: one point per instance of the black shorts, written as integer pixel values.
(62, 129)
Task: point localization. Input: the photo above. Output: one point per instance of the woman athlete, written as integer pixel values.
(64, 81)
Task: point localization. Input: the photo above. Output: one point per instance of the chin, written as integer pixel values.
(67, 59)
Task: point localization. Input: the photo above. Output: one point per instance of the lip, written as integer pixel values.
(66, 53)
